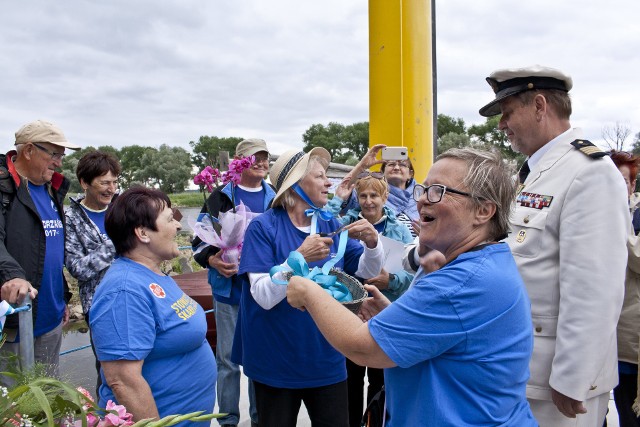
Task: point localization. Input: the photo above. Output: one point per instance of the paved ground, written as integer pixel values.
(303, 418)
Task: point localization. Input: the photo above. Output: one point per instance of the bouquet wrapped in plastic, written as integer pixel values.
(232, 226)
(227, 230)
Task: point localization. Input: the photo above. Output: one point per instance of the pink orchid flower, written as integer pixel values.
(120, 418)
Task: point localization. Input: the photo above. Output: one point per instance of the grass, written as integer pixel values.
(188, 199)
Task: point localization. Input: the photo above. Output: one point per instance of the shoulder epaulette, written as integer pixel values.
(588, 148)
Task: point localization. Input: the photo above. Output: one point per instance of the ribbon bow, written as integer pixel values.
(299, 267)
(314, 212)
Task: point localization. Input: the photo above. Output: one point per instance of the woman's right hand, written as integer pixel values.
(315, 248)
(374, 304)
(369, 159)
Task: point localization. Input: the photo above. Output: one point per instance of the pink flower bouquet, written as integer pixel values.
(227, 231)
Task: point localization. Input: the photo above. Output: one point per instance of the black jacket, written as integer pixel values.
(22, 238)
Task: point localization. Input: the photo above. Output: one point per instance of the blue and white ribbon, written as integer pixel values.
(6, 309)
(299, 267)
(314, 212)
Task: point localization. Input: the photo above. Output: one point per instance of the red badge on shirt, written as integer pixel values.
(157, 290)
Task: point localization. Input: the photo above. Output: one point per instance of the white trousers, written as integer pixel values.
(548, 415)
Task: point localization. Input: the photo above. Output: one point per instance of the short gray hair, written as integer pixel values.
(289, 199)
(488, 179)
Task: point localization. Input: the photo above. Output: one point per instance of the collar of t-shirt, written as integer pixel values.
(250, 189)
(535, 157)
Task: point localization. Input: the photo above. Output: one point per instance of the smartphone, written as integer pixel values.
(395, 153)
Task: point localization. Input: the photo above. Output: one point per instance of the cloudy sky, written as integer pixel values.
(152, 72)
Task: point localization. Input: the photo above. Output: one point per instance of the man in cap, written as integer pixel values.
(569, 250)
(257, 195)
(32, 236)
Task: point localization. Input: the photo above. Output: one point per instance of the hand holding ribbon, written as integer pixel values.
(299, 267)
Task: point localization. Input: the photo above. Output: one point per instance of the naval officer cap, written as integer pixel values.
(510, 81)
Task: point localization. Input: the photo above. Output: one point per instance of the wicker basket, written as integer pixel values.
(355, 287)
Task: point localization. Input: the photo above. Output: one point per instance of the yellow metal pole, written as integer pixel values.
(400, 79)
(385, 73)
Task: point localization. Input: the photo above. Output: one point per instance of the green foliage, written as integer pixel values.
(131, 162)
(342, 142)
(488, 136)
(635, 148)
(168, 168)
(447, 124)
(47, 401)
(207, 149)
(453, 140)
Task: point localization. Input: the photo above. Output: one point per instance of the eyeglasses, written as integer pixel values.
(53, 154)
(367, 174)
(394, 164)
(262, 158)
(435, 192)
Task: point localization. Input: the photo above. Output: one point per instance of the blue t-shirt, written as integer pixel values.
(51, 303)
(462, 340)
(282, 347)
(141, 315)
(97, 217)
(254, 200)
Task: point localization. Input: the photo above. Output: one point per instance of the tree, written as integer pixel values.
(344, 143)
(168, 168)
(447, 124)
(131, 160)
(616, 135)
(207, 149)
(488, 136)
(635, 148)
(453, 140)
(356, 137)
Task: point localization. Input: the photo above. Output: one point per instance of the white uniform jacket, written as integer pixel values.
(568, 237)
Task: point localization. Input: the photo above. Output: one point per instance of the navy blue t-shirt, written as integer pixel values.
(97, 217)
(254, 200)
(51, 303)
(282, 347)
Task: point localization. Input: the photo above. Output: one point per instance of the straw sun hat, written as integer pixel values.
(290, 167)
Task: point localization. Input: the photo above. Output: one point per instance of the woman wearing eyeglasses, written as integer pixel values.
(399, 176)
(372, 192)
(456, 346)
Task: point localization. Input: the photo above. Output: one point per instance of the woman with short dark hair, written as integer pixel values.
(88, 250)
(149, 335)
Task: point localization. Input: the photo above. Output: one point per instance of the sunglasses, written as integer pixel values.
(367, 174)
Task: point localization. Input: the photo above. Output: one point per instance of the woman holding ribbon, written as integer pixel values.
(280, 347)
(372, 192)
(457, 344)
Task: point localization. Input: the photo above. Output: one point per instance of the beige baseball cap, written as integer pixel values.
(251, 146)
(42, 131)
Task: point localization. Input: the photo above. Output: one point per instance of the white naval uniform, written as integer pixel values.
(571, 252)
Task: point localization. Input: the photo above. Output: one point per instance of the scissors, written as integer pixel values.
(333, 233)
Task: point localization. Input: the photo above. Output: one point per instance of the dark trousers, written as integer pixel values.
(279, 407)
(355, 385)
(624, 394)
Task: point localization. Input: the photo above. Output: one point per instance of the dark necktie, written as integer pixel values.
(524, 172)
